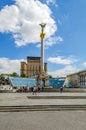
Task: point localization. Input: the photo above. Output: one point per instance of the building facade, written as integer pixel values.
(77, 79)
(32, 67)
(82, 78)
(73, 79)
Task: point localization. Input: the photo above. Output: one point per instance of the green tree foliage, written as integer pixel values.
(4, 78)
(23, 75)
(14, 74)
(50, 76)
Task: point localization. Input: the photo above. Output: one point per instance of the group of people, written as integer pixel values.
(35, 89)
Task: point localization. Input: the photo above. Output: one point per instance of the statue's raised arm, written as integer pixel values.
(42, 27)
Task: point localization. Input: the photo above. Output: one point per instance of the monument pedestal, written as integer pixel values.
(43, 80)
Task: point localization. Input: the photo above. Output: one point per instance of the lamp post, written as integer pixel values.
(42, 36)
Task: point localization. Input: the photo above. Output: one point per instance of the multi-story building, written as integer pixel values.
(73, 79)
(77, 79)
(82, 78)
(32, 67)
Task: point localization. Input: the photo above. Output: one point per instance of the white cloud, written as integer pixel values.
(51, 2)
(23, 19)
(64, 71)
(84, 64)
(51, 41)
(9, 66)
(61, 60)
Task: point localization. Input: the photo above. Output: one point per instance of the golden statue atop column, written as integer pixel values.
(42, 34)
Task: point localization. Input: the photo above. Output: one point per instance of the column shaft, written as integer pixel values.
(42, 55)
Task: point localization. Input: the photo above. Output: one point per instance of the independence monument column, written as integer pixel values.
(42, 35)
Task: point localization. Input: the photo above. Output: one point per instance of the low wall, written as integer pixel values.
(65, 90)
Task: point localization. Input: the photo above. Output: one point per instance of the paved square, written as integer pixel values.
(57, 120)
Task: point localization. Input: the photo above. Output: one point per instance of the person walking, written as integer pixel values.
(61, 89)
(38, 89)
(34, 90)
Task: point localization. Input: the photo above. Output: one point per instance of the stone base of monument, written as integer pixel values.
(43, 80)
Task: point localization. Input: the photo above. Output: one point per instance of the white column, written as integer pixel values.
(42, 55)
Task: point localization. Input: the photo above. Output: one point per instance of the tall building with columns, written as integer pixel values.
(32, 67)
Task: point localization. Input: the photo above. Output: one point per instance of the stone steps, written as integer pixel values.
(56, 97)
(42, 108)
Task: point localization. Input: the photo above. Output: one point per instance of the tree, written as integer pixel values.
(14, 74)
(4, 80)
(23, 75)
(50, 76)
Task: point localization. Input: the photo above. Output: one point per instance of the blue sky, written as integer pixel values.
(65, 34)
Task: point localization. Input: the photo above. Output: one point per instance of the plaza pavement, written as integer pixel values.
(42, 120)
(21, 99)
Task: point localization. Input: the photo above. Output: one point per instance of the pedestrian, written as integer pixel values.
(34, 90)
(38, 89)
(31, 89)
(61, 89)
